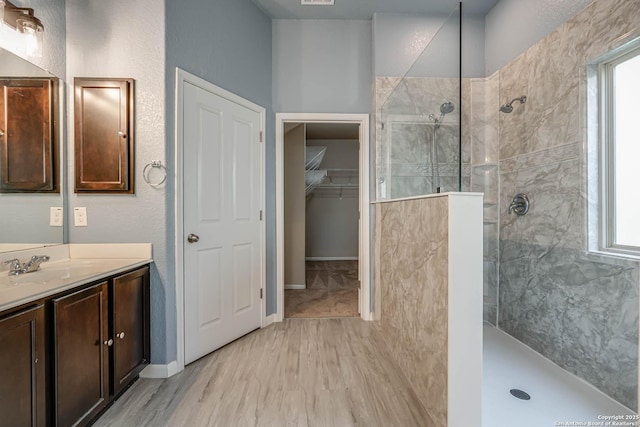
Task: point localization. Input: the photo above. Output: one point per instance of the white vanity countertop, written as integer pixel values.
(70, 266)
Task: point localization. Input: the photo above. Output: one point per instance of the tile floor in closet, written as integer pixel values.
(332, 291)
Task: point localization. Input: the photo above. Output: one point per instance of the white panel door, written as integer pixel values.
(221, 221)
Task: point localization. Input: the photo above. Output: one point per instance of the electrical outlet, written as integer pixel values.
(80, 217)
(55, 217)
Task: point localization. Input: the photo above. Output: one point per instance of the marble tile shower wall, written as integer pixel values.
(405, 135)
(579, 310)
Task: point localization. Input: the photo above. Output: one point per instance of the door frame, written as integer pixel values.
(364, 246)
(182, 77)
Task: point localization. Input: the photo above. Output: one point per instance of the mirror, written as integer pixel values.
(25, 212)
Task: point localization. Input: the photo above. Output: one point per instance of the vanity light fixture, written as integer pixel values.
(23, 20)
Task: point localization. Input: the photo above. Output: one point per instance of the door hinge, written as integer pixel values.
(261, 136)
(260, 215)
(261, 293)
(382, 125)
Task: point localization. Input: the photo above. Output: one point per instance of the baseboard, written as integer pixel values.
(294, 286)
(269, 320)
(160, 371)
(331, 258)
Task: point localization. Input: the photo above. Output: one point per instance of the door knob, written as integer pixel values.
(120, 335)
(193, 238)
(108, 343)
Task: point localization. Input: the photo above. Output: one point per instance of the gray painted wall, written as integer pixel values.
(227, 42)
(427, 46)
(124, 39)
(322, 66)
(512, 26)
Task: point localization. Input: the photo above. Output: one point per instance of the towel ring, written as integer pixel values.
(147, 170)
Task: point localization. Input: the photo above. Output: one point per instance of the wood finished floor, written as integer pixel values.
(301, 372)
(332, 291)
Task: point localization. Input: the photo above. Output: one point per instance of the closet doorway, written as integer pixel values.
(322, 198)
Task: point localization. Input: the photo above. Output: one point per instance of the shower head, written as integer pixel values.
(446, 108)
(507, 108)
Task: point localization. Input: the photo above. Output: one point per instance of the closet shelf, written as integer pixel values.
(313, 178)
(313, 157)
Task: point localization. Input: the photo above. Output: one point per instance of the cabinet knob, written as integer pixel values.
(122, 134)
(120, 335)
(108, 342)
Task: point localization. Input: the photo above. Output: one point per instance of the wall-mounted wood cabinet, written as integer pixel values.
(104, 144)
(28, 135)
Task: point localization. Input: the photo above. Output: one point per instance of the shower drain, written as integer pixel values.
(520, 394)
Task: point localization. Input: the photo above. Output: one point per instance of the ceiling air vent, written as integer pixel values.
(317, 2)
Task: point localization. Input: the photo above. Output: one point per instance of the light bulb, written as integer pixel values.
(33, 39)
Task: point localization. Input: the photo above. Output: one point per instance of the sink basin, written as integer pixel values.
(55, 273)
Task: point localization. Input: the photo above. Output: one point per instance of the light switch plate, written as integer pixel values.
(80, 217)
(55, 217)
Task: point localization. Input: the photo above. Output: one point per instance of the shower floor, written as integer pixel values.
(558, 398)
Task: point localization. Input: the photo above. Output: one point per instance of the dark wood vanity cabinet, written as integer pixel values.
(28, 135)
(130, 308)
(103, 117)
(100, 345)
(22, 368)
(81, 353)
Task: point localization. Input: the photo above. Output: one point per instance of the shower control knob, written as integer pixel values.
(519, 205)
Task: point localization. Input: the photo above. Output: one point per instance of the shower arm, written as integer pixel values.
(522, 100)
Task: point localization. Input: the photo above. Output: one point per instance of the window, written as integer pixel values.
(620, 150)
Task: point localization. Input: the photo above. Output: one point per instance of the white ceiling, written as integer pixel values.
(364, 9)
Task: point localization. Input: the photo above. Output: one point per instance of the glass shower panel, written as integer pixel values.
(419, 140)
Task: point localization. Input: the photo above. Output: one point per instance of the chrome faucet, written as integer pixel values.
(16, 267)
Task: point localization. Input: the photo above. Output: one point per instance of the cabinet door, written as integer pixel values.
(27, 136)
(103, 116)
(130, 302)
(22, 386)
(81, 354)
